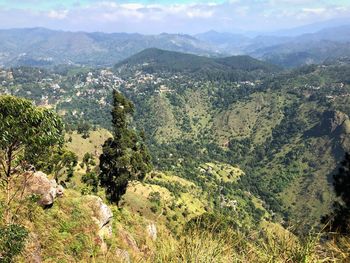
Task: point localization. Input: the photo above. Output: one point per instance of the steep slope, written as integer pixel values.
(155, 216)
(264, 126)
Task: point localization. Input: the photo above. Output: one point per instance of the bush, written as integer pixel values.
(12, 241)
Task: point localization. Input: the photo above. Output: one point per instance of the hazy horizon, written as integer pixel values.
(181, 16)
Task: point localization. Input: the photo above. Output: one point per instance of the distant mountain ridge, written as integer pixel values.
(44, 47)
(40, 46)
(288, 50)
(157, 60)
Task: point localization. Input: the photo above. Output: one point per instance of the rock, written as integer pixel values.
(152, 231)
(102, 215)
(123, 255)
(37, 183)
(336, 124)
(128, 240)
(346, 127)
(332, 123)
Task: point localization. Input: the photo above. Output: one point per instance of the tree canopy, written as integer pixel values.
(25, 131)
(125, 156)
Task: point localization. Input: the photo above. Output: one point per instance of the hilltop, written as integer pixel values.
(156, 60)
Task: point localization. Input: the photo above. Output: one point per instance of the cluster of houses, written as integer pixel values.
(105, 78)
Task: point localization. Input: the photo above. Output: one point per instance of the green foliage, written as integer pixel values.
(58, 161)
(83, 128)
(25, 130)
(231, 68)
(125, 157)
(12, 241)
(91, 179)
(88, 160)
(215, 222)
(154, 197)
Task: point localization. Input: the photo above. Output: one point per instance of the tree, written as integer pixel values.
(88, 160)
(339, 220)
(62, 161)
(26, 132)
(124, 157)
(84, 129)
(12, 242)
(91, 180)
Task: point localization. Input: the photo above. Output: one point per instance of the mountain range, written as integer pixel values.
(44, 47)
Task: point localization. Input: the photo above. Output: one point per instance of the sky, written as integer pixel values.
(176, 16)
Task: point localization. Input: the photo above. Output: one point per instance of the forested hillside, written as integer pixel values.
(249, 115)
(233, 141)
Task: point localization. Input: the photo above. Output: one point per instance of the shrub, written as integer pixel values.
(12, 241)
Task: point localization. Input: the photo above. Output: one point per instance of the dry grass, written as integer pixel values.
(211, 245)
(93, 144)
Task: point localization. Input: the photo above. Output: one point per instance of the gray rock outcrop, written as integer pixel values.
(39, 184)
(102, 215)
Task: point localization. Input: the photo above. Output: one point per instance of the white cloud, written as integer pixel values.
(57, 14)
(199, 13)
(316, 11)
(113, 16)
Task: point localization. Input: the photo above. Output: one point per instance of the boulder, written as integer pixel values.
(39, 184)
(102, 215)
(101, 212)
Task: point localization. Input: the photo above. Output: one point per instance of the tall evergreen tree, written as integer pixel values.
(125, 156)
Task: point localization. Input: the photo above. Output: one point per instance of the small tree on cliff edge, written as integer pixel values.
(26, 132)
(125, 156)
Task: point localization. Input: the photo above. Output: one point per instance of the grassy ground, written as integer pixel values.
(92, 144)
(222, 171)
(255, 117)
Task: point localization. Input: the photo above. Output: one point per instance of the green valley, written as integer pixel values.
(243, 154)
